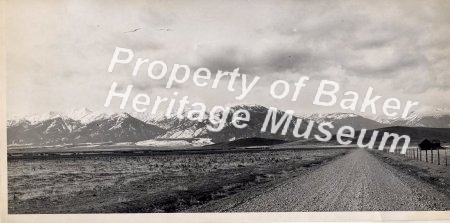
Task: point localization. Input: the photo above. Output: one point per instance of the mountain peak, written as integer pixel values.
(78, 114)
(334, 115)
(249, 107)
(122, 115)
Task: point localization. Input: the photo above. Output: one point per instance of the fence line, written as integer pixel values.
(432, 156)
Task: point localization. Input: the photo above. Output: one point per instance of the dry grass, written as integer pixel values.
(163, 183)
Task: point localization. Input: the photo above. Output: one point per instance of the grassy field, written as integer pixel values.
(148, 183)
(436, 175)
(437, 157)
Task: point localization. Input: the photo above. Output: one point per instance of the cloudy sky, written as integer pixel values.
(58, 52)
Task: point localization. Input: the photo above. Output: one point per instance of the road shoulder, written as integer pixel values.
(436, 175)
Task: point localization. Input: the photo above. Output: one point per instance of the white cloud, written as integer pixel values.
(58, 51)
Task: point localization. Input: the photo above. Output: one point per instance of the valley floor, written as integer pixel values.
(340, 179)
(174, 181)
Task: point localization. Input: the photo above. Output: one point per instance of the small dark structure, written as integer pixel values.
(432, 145)
(427, 145)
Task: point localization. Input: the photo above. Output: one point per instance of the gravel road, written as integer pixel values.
(355, 182)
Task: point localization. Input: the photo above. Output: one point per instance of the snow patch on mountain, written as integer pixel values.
(78, 114)
(418, 119)
(163, 143)
(330, 116)
(94, 116)
(175, 143)
(36, 118)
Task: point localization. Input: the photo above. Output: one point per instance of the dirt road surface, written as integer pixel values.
(355, 182)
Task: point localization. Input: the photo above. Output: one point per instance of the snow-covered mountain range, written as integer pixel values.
(415, 119)
(83, 125)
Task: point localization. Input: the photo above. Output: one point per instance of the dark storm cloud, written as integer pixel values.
(406, 62)
(372, 41)
(273, 59)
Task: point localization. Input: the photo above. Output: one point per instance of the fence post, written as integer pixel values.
(432, 155)
(439, 159)
(426, 156)
(445, 153)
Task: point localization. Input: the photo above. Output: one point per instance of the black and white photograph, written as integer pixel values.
(150, 106)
